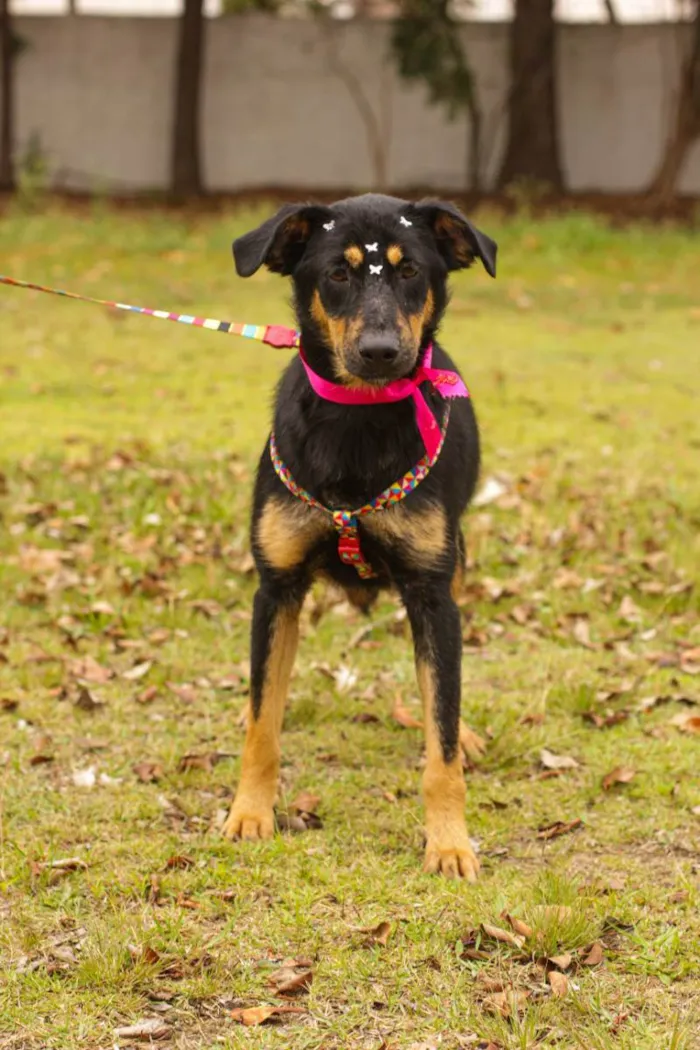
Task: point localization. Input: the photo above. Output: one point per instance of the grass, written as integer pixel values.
(127, 457)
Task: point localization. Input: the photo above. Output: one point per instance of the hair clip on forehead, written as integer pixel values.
(375, 269)
(329, 225)
(372, 247)
(404, 221)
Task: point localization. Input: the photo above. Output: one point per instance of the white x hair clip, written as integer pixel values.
(375, 269)
(372, 247)
(329, 225)
(404, 221)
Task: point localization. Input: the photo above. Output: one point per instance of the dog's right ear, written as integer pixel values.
(280, 242)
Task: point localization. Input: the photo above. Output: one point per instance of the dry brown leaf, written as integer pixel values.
(185, 692)
(686, 723)
(559, 984)
(629, 611)
(148, 772)
(153, 889)
(506, 1003)
(87, 701)
(505, 936)
(582, 633)
(594, 956)
(533, 719)
(619, 775)
(552, 761)
(8, 704)
(559, 827)
(378, 934)
(89, 670)
(180, 862)
(305, 802)
(147, 695)
(255, 1015)
(149, 1028)
(290, 980)
(520, 927)
(364, 717)
(562, 962)
(137, 671)
(205, 762)
(403, 716)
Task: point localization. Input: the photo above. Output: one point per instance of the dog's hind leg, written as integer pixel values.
(438, 647)
(275, 635)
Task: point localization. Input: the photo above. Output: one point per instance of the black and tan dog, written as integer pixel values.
(370, 288)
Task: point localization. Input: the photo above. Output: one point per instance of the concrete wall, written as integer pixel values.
(278, 110)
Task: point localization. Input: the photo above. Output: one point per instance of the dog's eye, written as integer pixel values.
(340, 273)
(408, 270)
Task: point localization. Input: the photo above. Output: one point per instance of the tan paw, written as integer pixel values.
(451, 856)
(471, 743)
(249, 821)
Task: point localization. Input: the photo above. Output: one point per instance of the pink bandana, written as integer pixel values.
(447, 384)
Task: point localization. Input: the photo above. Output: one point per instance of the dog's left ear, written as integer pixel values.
(280, 242)
(458, 241)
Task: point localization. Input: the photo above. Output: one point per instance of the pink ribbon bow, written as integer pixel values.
(447, 384)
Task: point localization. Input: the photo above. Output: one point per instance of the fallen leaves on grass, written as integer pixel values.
(147, 1029)
(558, 983)
(403, 716)
(148, 772)
(305, 802)
(84, 778)
(378, 934)
(558, 828)
(205, 762)
(185, 692)
(551, 761)
(137, 671)
(619, 775)
(255, 1015)
(507, 1003)
(581, 632)
(179, 862)
(520, 927)
(293, 978)
(686, 722)
(594, 955)
(87, 669)
(504, 936)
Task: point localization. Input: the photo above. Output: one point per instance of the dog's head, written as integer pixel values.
(370, 277)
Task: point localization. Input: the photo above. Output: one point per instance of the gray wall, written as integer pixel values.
(97, 92)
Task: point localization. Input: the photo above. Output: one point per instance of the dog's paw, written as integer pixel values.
(249, 822)
(471, 743)
(451, 855)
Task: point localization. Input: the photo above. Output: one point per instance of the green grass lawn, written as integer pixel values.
(128, 449)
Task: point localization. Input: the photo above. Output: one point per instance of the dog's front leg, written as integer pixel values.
(437, 639)
(274, 640)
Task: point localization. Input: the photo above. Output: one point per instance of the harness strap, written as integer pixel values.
(346, 521)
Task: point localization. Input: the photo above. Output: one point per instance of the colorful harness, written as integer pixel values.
(346, 523)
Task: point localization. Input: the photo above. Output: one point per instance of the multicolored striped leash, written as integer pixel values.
(272, 334)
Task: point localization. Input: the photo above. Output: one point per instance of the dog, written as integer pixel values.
(370, 288)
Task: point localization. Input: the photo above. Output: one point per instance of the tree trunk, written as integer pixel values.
(186, 178)
(532, 150)
(686, 127)
(7, 178)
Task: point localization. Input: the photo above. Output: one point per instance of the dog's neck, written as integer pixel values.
(348, 453)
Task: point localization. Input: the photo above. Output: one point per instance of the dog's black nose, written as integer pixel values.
(378, 349)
